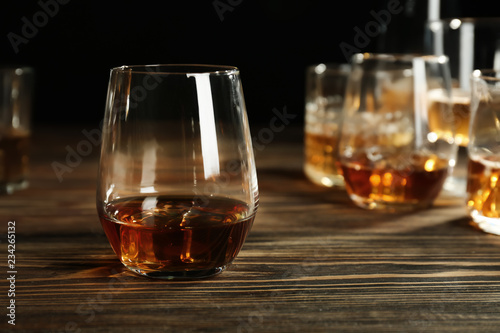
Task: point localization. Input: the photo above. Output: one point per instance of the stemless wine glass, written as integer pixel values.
(396, 148)
(16, 92)
(177, 192)
(469, 43)
(483, 186)
(325, 88)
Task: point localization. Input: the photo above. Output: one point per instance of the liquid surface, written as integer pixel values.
(321, 159)
(460, 117)
(182, 233)
(418, 179)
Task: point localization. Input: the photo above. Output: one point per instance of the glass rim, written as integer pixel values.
(487, 74)
(403, 57)
(322, 67)
(467, 19)
(177, 69)
(19, 70)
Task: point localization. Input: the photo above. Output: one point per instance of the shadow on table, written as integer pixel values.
(113, 271)
(293, 183)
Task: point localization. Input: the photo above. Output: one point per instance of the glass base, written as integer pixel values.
(388, 207)
(489, 225)
(181, 275)
(10, 187)
(456, 183)
(323, 179)
(455, 187)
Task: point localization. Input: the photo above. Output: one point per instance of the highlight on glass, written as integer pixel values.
(397, 145)
(177, 191)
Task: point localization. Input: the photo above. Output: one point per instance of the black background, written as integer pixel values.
(271, 41)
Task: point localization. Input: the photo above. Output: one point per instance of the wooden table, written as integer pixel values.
(312, 263)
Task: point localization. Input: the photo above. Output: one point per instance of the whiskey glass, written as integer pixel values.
(483, 187)
(470, 43)
(325, 88)
(395, 151)
(16, 90)
(177, 191)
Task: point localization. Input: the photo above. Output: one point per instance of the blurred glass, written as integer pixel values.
(16, 88)
(325, 88)
(483, 187)
(469, 43)
(393, 155)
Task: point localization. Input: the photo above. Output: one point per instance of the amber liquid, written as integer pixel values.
(396, 96)
(483, 189)
(176, 235)
(461, 116)
(13, 157)
(321, 159)
(408, 183)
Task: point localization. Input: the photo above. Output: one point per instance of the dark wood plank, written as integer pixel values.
(312, 263)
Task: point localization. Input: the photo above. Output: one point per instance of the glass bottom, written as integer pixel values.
(11, 187)
(389, 207)
(489, 225)
(455, 186)
(180, 275)
(456, 183)
(323, 179)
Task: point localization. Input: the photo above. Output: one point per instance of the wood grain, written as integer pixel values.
(312, 263)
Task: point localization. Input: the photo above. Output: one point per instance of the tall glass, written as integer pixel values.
(325, 89)
(470, 43)
(483, 186)
(177, 191)
(393, 155)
